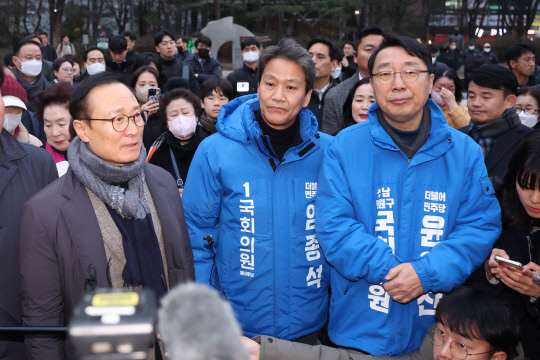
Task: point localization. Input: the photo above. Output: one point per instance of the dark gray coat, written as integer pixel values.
(332, 120)
(62, 253)
(24, 171)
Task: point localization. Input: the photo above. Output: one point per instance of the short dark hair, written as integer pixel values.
(333, 50)
(523, 168)
(141, 70)
(368, 30)
(197, 34)
(175, 95)
(410, 45)
(8, 59)
(56, 94)
(73, 58)
(476, 314)
(495, 77)
(130, 34)
(288, 49)
(348, 42)
(204, 40)
(432, 48)
(527, 90)
(158, 38)
(147, 58)
(44, 33)
(79, 107)
(59, 61)
(452, 75)
(250, 41)
(117, 44)
(185, 39)
(85, 54)
(22, 43)
(220, 85)
(34, 36)
(514, 52)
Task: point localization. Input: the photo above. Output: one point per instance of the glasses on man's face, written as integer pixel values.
(408, 76)
(67, 70)
(456, 348)
(121, 122)
(528, 110)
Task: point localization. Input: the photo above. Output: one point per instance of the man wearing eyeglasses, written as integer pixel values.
(495, 125)
(405, 210)
(111, 221)
(470, 324)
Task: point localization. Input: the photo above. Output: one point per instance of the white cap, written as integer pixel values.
(13, 101)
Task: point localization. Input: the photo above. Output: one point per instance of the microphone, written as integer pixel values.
(196, 324)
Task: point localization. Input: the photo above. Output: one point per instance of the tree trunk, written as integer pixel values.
(217, 10)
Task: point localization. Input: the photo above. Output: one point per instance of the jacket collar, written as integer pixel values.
(438, 143)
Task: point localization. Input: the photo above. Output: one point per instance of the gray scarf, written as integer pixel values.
(104, 180)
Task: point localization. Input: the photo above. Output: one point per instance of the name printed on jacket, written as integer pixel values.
(312, 245)
(247, 243)
(384, 230)
(431, 235)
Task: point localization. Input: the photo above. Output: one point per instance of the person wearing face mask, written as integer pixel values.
(28, 65)
(488, 56)
(15, 101)
(434, 51)
(245, 79)
(202, 63)
(452, 57)
(528, 106)
(144, 78)
(181, 50)
(174, 150)
(469, 56)
(26, 170)
(93, 62)
(446, 92)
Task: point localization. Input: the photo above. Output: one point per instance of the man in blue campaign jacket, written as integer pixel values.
(405, 209)
(254, 189)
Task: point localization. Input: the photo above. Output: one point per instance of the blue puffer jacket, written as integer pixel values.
(262, 220)
(375, 210)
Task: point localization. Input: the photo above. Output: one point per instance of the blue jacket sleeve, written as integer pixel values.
(202, 206)
(476, 228)
(347, 246)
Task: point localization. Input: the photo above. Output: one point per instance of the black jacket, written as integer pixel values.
(174, 68)
(500, 154)
(24, 171)
(48, 52)
(125, 69)
(209, 67)
(316, 106)
(182, 153)
(63, 254)
(524, 248)
(239, 77)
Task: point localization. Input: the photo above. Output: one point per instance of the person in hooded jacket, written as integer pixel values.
(251, 209)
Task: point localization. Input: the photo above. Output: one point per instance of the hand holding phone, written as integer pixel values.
(509, 264)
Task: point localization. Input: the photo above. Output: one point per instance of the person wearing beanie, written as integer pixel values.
(14, 97)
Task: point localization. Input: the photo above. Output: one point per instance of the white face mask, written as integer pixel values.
(452, 47)
(251, 56)
(526, 119)
(142, 93)
(11, 121)
(435, 96)
(471, 48)
(183, 127)
(95, 68)
(487, 49)
(31, 67)
(335, 74)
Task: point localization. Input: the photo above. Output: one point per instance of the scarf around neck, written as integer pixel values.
(105, 180)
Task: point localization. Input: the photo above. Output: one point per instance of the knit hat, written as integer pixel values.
(13, 93)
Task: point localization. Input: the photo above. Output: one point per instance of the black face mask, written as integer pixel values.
(204, 53)
(180, 49)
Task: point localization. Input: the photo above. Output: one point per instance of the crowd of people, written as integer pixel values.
(331, 195)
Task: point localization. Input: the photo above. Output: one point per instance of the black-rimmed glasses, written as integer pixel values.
(456, 348)
(121, 122)
(529, 111)
(408, 76)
